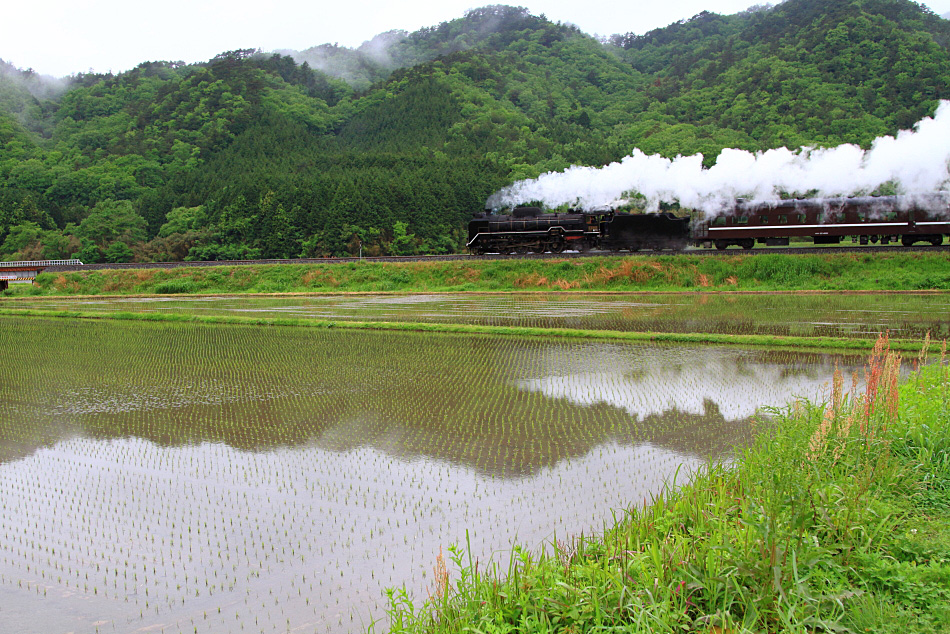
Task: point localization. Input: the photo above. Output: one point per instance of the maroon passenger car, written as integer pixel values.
(884, 219)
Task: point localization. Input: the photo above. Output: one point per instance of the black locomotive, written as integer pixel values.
(868, 219)
(530, 230)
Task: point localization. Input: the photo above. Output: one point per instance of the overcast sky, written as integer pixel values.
(61, 37)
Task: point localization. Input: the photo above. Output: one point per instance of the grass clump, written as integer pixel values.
(836, 519)
(175, 287)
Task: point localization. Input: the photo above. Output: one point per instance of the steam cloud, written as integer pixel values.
(915, 161)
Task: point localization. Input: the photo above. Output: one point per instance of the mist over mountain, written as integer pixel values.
(378, 57)
(393, 144)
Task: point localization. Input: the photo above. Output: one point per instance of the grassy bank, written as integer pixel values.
(837, 519)
(742, 272)
(813, 344)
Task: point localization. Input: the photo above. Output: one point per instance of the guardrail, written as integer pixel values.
(27, 270)
(40, 263)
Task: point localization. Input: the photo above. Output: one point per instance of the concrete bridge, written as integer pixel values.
(22, 272)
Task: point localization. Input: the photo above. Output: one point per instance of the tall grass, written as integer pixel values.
(834, 520)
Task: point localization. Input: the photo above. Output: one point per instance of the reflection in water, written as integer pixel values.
(211, 479)
(735, 382)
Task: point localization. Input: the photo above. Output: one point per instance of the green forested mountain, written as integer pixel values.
(393, 145)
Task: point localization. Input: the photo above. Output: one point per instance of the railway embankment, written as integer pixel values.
(828, 271)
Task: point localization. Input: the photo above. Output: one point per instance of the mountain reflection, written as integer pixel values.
(502, 406)
(658, 380)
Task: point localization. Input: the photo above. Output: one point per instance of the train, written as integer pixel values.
(862, 220)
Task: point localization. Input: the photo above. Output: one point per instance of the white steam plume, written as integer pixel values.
(915, 161)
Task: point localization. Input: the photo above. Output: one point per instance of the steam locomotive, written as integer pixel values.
(868, 219)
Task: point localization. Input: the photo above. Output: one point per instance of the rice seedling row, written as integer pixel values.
(193, 478)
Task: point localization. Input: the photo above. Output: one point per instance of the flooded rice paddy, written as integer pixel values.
(908, 316)
(190, 478)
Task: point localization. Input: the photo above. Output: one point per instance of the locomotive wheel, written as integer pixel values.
(557, 246)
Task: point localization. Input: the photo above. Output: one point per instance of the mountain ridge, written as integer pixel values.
(254, 154)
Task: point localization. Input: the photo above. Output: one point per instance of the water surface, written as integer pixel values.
(183, 478)
(908, 316)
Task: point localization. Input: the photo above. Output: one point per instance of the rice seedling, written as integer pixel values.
(225, 478)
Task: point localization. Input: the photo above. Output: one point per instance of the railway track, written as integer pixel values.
(536, 256)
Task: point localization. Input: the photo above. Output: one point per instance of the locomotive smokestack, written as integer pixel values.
(915, 161)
